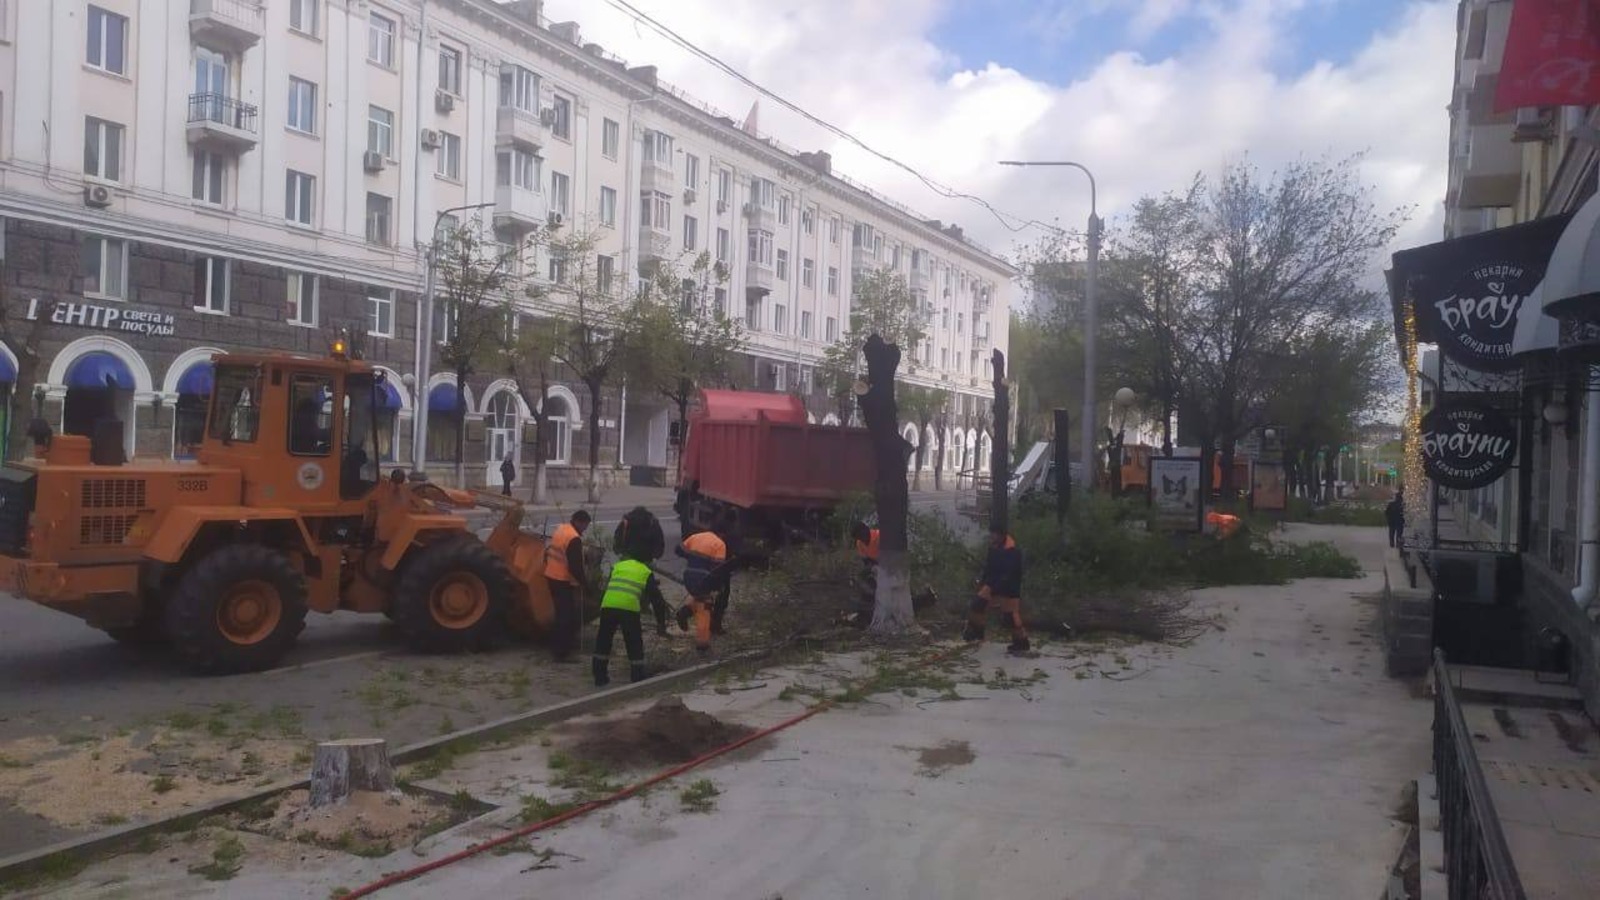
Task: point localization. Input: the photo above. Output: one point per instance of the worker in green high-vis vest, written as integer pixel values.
(630, 583)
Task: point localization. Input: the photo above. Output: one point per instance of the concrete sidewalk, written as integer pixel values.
(1263, 760)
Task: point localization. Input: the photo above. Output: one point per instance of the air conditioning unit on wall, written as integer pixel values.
(556, 220)
(547, 116)
(443, 100)
(97, 195)
(372, 161)
(430, 139)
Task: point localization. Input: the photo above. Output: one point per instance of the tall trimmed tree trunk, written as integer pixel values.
(891, 612)
(1000, 456)
(594, 439)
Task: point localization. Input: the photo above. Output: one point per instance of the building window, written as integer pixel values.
(380, 40)
(762, 192)
(808, 273)
(752, 312)
(656, 211)
(944, 358)
(783, 210)
(658, 149)
(610, 139)
(833, 282)
(723, 242)
(209, 169)
(105, 268)
(808, 220)
(605, 270)
(378, 210)
(560, 194)
(562, 126)
(448, 157)
(780, 318)
(303, 16)
(102, 149)
(380, 131)
(211, 285)
(608, 207)
(449, 69)
(833, 230)
(380, 313)
(299, 188)
(558, 269)
(517, 168)
(302, 106)
(691, 171)
(108, 41)
(832, 329)
(805, 325)
(301, 294)
(761, 248)
(959, 320)
(720, 298)
(783, 265)
(691, 232)
(944, 317)
(519, 89)
(724, 187)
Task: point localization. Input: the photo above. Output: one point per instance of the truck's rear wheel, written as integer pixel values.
(239, 609)
(452, 596)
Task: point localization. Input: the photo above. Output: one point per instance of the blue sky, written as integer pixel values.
(1060, 41)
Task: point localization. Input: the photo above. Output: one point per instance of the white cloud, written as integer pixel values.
(1144, 126)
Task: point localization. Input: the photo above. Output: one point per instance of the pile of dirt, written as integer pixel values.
(369, 823)
(667, 732)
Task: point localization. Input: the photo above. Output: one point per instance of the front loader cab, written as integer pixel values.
(300, 429)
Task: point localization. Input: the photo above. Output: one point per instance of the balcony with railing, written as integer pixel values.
(520, 209)
(863, 258)
(226, 24)
(655, 246)
(758, 277)
(219, 122)
(514, 125)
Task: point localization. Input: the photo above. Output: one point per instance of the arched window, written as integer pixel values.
(557, 435)
(504, 417)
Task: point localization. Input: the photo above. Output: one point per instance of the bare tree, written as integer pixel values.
(25, 324)
(477, 273)
(892, 612)
(528, 359)
(881, 304)
(922, 406)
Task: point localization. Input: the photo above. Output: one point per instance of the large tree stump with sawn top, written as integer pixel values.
(350, 764)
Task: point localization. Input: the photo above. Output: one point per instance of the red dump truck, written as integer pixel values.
(754, 456)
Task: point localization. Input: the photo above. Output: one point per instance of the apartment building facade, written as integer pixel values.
(185, 178)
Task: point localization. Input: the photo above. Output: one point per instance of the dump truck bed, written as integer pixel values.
(761, 462)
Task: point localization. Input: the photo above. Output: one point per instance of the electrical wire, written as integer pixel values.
(1004, 218)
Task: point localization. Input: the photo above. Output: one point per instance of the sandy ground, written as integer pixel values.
(1263, 760)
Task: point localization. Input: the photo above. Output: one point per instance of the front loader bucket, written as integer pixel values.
(532, 612)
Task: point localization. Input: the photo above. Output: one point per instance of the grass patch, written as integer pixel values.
(227, 857)
(699, 797)
(163, 784)
(538, 809)
(54, 868)
(111, 819)
(7, 762)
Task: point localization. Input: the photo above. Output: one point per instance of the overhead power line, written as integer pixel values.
(1010, 221)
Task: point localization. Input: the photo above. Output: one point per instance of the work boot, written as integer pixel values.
(601, 676)
(637, 672)
(716, 619)
(972, 633)
(1019, 646)
(684, 615)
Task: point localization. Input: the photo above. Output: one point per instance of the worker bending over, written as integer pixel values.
(639, 536)
(567, 574)
(638, 541)
(706, 579)
(999, 585)
(867, 550)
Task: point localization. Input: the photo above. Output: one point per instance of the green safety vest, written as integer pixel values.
(626, 585)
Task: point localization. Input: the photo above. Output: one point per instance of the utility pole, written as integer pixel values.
(1091, 321)
(419, 415)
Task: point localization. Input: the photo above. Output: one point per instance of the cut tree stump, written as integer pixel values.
(349, 764)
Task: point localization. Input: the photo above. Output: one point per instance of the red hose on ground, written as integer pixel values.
(417, 871)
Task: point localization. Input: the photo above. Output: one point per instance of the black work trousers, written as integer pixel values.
(611, 621)
(567, 630)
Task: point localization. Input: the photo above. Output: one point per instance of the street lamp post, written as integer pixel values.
(1091, 317)
(419, 415)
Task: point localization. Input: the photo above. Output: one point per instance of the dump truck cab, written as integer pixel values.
(284, 511)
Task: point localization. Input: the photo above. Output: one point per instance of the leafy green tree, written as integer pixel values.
(921, 406)
(882, 303)
(528, 359)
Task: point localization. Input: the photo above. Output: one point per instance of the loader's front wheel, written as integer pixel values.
(452, 596)
(239, 609)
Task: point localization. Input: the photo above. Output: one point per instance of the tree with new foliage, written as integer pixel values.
(1326, 383)
(477, 272)
(527, 358)
(882, 304)
(596, 326)
(692, 341)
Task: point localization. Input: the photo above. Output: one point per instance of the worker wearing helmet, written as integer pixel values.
(567, 574)
(1000, 584)
(705, 578)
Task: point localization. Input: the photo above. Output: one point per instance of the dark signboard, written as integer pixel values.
(1466, 446)
(1467, 291)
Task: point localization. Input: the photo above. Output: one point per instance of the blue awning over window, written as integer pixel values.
(197, 380)
(99, 369)
(8, 372)
(388, 397)
(442, 398)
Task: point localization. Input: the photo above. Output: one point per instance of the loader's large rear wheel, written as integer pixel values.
(452, 596)
(239, 609)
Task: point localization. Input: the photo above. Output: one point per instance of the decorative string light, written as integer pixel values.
(1414, 479)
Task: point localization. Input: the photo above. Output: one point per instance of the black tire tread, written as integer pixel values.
(409, 608)
(190, 615)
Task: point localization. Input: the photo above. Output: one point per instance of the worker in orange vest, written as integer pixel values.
(705, 578)
(1000, 584)
(867, 550)
(567, 575)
